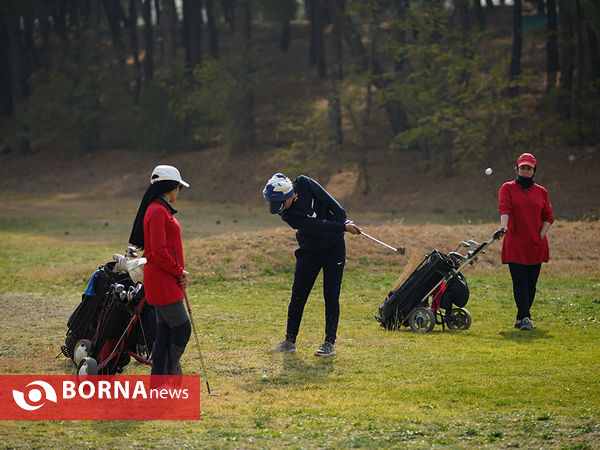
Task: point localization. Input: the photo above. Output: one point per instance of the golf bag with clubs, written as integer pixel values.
(113, 322)
(436, 292)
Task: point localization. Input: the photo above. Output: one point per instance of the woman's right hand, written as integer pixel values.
(182, 279)
(351, 227)
(500, 232)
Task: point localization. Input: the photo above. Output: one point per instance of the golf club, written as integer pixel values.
(400, 249)
(189, 308)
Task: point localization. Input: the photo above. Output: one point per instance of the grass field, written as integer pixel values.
(489, 386)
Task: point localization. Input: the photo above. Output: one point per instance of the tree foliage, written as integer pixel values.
(442, 85)
(458, 112)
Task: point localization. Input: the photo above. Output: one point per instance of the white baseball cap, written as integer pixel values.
(166, 173)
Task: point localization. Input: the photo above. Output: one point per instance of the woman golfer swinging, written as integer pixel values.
(320, 222)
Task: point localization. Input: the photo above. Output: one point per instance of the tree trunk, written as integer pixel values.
(395, 111)
(157, 12)
(5, 70)
(60, 21)
(567, 57)
(113, 15)
(540, 6)
(19, 86)
(401, 7)
(213, 32)
(244, 122)
(169, 33)
(465, 22)
(284, 42)
(228, 7)
(552, 65)
(310, 13)
(479, 14)
(489, 4)
(594, 53)
(580, 47)
(515, 58)
(247, 19)
(337, 74)
(320, 39)
(148, 41)
(133, 15)
(363, 160)
(192, 31)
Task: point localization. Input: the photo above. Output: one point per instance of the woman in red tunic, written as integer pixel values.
(157, 232)
(525, 217)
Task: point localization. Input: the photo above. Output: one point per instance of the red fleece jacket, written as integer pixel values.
(526, 209)
(164, 254)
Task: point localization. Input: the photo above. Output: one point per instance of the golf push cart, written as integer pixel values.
(435, 293)
(113, 323)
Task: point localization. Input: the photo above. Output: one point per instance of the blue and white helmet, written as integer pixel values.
(277, 190)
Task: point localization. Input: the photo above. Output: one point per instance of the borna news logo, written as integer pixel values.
(58, 397)
(34, 396)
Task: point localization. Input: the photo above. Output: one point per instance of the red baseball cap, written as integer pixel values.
(526, 159)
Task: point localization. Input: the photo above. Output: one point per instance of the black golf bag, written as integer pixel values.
(435, 293)
(112, 322)
(395, 310)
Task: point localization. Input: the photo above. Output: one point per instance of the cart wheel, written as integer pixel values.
(82, 349)
(422, 320)
(459, 319)
(87, 366)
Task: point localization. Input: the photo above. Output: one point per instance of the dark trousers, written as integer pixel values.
(524, 278)
(173, 331)
(308, 266)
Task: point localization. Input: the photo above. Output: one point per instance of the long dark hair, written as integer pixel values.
(154, 191)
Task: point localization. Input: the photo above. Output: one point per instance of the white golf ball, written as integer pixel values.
(489, 171)
(264, 378)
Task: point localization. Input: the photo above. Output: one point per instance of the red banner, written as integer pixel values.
(128, 397)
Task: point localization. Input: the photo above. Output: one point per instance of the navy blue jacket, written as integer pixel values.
(315, 215)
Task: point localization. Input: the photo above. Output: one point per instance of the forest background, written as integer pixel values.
(396, 106)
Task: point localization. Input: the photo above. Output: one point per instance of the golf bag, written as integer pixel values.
(398, 305)
(112, 323)
(436, 292)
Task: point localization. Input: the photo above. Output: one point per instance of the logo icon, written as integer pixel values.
(34, 396)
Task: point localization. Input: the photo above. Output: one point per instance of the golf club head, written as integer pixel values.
(473, 243)
(401, 249)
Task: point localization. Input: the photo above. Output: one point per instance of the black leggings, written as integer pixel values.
(308, 266)
(524, 278)
(172, 335)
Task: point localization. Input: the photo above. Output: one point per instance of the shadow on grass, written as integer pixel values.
(297, 368)
(295, 371)
(524, 337)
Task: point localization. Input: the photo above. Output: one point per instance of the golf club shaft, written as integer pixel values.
(400, 249)
(189, 308)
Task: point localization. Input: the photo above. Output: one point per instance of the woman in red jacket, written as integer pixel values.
(525, 217)
(157, 232)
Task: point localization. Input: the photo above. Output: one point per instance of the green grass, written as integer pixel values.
(489, 386)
